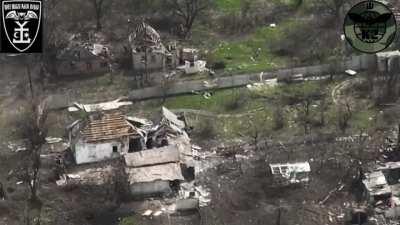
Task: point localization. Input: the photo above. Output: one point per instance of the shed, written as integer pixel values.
(290, 173)
(153, 180)
(376, 185)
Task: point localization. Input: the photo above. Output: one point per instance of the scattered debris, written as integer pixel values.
(194, 67)
(52, 140)
(100, 106)
(17, 146)
(266, 83)
(147, 213)
(350, 72)
(336, 189)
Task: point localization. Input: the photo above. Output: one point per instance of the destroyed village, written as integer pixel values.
(200, 112)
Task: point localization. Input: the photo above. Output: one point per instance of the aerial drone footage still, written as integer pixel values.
(199, 112)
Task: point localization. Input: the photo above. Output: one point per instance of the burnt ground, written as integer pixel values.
(243, 192)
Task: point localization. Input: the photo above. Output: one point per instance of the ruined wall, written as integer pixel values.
(95, 152)
(83, 67)
(357, 63)
(155, 61)
(146, 189)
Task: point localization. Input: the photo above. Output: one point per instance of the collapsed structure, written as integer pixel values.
(83, 59)
(382, 191)
(149, 54)
(383, 184)
(157, 157)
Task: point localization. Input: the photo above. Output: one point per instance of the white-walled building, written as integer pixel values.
(103, 136)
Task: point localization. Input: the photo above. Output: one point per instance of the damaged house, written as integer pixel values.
(153, 172)
(148, 53)
(102, 136)
(79, 59)
(166, 163)
(157, 158)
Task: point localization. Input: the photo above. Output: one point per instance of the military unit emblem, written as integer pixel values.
(21, 26)
(370, 27)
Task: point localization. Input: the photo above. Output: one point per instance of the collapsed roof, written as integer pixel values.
(172, 119)
(145, 36)
(107, 126)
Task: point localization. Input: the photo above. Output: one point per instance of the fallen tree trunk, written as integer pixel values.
(339, 187)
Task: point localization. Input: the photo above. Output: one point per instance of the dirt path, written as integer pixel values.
(337, 90)
(217, 115)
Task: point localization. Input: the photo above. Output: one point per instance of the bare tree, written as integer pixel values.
(345, 113)
(31, 127)
(100, 7)
(392, 118)
(54, 40)
(187, 11)
(258, 127)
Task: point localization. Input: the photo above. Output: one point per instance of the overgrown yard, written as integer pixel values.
(283, 111)
(252, 54)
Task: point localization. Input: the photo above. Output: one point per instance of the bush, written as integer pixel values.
(278, 118)
(220, 65)
(206, 130)
(235, 101)
(128, 221)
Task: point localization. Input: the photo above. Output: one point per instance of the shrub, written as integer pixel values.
(206, 129)
(219, 65)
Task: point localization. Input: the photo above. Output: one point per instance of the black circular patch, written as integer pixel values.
(370, 26)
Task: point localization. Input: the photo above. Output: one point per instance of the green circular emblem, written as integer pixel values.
(370, 26)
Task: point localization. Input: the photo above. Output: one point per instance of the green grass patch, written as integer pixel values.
(362, 121)
(229, 5)
(128, 221)
(222, 101)
(254, 53)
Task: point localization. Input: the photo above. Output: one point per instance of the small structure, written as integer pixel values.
(103, 135)
(82, 60)
(193, 67)
(386, 60)
(290, 173)
(148, 53)
(383, 183)
(188, 54)
(153, 172)
(376, 186)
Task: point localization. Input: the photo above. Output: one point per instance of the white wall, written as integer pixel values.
(95, 152)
